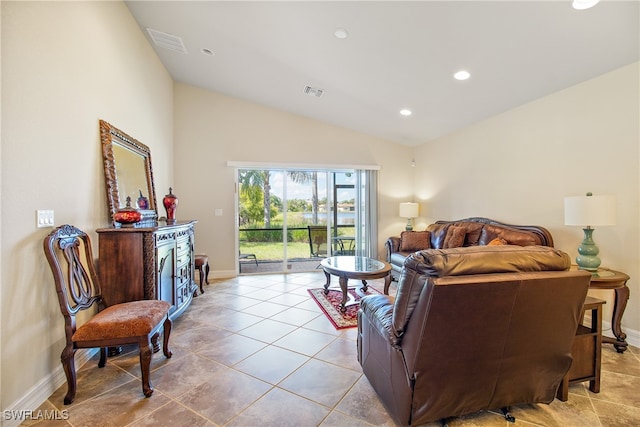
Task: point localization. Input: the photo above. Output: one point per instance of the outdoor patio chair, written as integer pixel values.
(318, 241)
(246, 257)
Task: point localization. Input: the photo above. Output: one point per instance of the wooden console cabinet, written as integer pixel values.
(154, 262)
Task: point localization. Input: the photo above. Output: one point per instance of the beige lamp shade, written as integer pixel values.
(590, 210)
(409, 210)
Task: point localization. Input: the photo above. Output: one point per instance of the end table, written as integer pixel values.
(586, 351)
(605, 278)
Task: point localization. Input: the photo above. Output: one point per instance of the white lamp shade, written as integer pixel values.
(409, 210)
(590, 210)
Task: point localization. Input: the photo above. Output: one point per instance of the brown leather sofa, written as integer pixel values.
(471, 329)
(464, 232)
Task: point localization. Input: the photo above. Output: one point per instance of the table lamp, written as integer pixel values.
(409, 210)
(589, 211)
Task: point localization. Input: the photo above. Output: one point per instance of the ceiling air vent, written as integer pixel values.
(167, 41)
(313, 91)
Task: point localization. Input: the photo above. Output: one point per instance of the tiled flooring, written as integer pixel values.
(256, 351)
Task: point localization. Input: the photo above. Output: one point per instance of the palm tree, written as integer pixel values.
(302, 177)
(252, 181)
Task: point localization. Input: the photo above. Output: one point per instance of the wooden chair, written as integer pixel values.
(202, 265)
(70, 257)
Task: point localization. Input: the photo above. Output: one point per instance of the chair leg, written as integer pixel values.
(206, 273)
(145, 364)
(154, 342)
(201, 278)
(103, 357)
(68, 364)
(165, 342)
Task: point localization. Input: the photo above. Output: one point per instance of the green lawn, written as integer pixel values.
(274, 251)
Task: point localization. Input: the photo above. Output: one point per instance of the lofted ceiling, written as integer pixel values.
(397, 55)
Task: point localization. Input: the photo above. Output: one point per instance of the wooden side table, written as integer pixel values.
(586, 352)
(605, 278)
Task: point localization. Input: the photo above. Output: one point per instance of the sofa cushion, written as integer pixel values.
(412, 241)
(455, 237)
(488, 259)
(438, 233)
(512, 235)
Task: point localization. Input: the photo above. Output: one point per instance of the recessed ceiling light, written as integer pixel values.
(583, 4)
(462, 75)
(405, 112)
(207, 51)
(341, 33)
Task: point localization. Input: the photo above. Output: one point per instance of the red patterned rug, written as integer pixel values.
(330, 305)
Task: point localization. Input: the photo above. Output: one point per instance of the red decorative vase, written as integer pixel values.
(170, 203)
(127, 216)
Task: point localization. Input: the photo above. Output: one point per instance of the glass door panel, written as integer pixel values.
(291, 219)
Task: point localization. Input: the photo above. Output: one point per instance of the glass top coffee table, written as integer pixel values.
(354, 267)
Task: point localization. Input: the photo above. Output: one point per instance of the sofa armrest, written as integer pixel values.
(378, 309)
(392, 245)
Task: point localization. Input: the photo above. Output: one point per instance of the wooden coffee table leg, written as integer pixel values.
(326, 285)
(343, 285)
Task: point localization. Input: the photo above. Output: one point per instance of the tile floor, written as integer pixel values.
(256, 351)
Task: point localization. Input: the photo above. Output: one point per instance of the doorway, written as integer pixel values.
(289, 219)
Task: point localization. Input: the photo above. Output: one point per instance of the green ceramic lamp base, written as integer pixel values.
(588, 259)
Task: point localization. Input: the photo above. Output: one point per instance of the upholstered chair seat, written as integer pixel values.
(126, 320)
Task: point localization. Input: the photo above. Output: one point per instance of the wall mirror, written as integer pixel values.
(128, 172)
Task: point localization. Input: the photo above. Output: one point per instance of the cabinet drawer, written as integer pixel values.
(182, 295)
(183, 252)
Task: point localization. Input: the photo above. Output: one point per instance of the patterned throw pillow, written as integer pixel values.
(411, 241)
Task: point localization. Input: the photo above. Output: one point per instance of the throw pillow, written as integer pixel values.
(454, 238)
(411, 241)
(497, 241)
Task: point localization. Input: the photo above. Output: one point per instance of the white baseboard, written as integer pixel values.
(222, 274)
(40, 392)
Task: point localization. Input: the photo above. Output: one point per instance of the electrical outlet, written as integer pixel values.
(217, 212)
(44, 218)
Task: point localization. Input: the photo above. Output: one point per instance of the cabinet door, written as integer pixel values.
(166, 256)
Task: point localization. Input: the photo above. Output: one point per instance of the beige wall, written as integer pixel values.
(65, 65)
(518, 166)
(212, 129)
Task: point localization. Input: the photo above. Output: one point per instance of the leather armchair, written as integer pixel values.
(473, 328)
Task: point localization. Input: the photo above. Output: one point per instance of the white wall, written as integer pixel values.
(517, 167)
(212, 129)
(65, 65)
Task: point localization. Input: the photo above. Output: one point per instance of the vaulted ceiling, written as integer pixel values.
(396, 55)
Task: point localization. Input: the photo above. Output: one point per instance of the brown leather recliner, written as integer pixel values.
(470, 329)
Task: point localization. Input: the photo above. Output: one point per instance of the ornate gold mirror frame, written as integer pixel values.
(128, 172)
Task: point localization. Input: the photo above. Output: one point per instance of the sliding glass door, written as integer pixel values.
(292, 218)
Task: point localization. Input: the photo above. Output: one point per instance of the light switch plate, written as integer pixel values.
(217, 212)
(44, 218)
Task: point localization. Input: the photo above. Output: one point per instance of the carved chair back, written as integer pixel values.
(70, 256)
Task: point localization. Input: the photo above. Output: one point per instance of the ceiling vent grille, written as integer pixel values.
(311, 91)
(167, 41)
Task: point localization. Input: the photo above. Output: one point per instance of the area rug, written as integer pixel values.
(330, 305)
